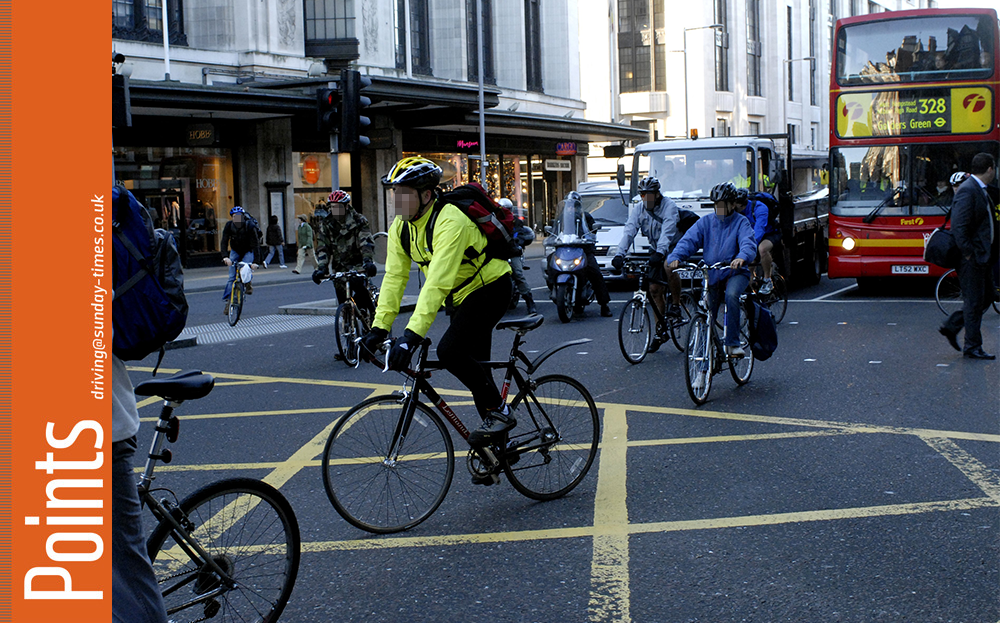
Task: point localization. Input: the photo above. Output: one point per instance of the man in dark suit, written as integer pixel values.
(972, 227)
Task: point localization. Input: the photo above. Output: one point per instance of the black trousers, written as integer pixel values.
(469, 340)
(593, 272)
(361, 295)
(976, 282)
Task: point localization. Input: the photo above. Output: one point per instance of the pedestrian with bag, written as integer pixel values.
(972, 228)
(275, 242)
(304, 240)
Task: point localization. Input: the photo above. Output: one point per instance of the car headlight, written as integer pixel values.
(849, 244)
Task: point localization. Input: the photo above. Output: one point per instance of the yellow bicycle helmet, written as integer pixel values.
(414, 171)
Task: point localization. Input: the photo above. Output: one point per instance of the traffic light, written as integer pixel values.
(352, 122)
(326, 110)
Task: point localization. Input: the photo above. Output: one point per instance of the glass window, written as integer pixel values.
(142, 20)
(634, 38)
(419, 42)
(722, 46)
(904, 180)
(489, 75)
(691, 174)
(533, 44)
(916, 49)
(329, 19)
(754, 48)
(607, 209)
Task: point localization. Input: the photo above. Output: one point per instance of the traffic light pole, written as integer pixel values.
(482, 111)
(334, 162)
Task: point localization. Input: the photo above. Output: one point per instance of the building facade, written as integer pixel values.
(719, 68)
(224, 110)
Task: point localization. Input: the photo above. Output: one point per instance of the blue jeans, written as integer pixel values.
(235, 257)
(281, 254)
(135, 597)
(735, 285)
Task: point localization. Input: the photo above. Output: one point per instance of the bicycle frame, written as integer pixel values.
(166, 430)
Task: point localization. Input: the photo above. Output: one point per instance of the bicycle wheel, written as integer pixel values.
(349, 329)
(742, 367)
(236, 302)
(250, 531)
(555, 440)
(678, 328)
(635, 331)
(699, 361)
(948, 293)
(777, 300)
(384, 493)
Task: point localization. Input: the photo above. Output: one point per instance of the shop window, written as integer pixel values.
(489, 73)
(142, 20)
(330, 29)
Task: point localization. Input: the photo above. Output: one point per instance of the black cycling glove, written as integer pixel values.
(656, 259)
(372, 342)
(318, 276)
(403, 349)
(370, 268)
(618, 262)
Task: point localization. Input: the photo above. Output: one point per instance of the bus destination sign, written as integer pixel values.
(915, 112)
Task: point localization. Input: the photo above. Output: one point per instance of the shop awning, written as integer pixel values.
(539, 126)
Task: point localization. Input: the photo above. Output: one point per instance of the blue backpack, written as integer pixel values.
(149, 307)
(763, 333)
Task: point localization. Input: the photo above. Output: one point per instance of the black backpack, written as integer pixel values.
(763, 332)
(149, 307)
(496, 223)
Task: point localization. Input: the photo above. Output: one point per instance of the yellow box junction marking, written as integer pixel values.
(610, 592)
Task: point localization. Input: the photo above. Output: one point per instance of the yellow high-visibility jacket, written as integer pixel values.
(458, 255)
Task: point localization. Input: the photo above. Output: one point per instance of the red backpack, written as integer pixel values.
(496, 223)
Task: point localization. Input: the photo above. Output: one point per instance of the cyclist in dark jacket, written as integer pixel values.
(242, 237)
(765, 233)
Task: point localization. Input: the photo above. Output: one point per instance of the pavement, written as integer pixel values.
(214, 278)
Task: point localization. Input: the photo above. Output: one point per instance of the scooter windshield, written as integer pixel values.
(571, 225)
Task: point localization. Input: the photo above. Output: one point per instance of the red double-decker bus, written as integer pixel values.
(913, 97)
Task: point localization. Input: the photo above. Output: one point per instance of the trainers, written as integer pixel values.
(282, 266)
(264, 265)
(249, 288)
(494, 424)
(735, 351)
(673, 311)
(767, 287)
(295, 271)
(699, 381)
(655, 344)
(606, 311)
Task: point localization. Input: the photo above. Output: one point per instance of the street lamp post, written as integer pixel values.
(687, 124)
(786, 69)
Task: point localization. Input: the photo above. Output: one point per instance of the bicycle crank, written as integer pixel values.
(483, 465)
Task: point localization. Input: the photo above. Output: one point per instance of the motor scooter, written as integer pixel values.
(569, 287)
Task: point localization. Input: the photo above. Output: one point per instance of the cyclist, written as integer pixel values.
(523, 236)
(476, 288)
(657, 219)
(726, 237)
(344, 242)
(242, 236)
(765, 233)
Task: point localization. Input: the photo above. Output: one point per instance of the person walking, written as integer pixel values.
(275, 242)
(304, 239)
(523, 236)
(972, 227)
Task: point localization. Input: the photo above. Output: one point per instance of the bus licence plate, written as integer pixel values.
(909, 269)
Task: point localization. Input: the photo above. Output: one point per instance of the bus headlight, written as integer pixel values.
(849, 244)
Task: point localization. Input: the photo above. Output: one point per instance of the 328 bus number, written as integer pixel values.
(932, 106)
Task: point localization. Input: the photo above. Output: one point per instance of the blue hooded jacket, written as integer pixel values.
(722, 239)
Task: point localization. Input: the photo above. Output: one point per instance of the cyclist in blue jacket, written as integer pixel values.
(725, 237)
(765, 234)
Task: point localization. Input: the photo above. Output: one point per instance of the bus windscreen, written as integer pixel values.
(917, 49)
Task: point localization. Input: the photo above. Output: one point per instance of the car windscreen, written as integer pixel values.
(606, 209)
(691, 173)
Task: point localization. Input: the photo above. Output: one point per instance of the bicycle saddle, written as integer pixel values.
(522, 324)
(186, 385)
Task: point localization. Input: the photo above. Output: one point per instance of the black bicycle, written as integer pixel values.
(230, 550)
(389, 461)
(635, 329)
(352, 320)
(777, 299)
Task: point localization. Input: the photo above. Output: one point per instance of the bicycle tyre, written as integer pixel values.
(251, 531)
(699, 357)
(235, 303)
(634, 331)
(678, 335)
(563, 419)
(380, 495)
(348, 328)
(777, 300)
(948, 293)
(742, 368)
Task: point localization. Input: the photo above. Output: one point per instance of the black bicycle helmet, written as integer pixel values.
(649, 185)
(742, 195)
(723, 192)
(414, 171)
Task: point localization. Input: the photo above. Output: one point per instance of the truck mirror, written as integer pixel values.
(620, 175)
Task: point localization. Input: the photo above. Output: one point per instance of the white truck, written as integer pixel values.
(688, 169)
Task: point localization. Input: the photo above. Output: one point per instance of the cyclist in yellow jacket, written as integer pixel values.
(458, 274)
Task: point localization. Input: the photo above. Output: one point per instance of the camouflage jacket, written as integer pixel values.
(343, 245)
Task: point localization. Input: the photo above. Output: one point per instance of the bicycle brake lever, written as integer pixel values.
(386, 345)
